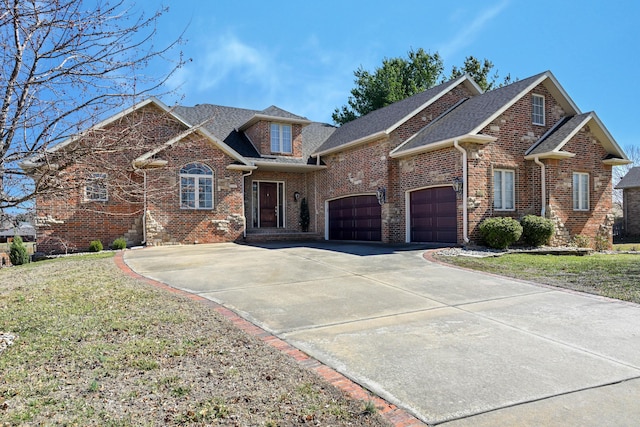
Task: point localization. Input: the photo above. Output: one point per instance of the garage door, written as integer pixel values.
(355, 218)
(433, 215)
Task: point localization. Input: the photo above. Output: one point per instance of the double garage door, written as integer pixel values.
(432, 216)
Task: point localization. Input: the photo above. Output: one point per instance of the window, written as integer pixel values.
(95, 189)
(196, 187)
(537, 112)
(580, 191)
(504, 190)
(280, 138)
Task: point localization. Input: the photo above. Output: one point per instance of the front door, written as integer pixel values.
(268, 204)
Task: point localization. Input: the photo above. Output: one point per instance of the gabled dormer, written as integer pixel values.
(276, 132)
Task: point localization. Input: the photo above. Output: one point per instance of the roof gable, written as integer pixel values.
(551, 144)
(468, 118)
(383, 121)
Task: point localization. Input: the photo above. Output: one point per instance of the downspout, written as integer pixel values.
(543, 186)
(244, 208)
(465, 192)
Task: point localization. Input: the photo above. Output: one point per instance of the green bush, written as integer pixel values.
(119, 243)
(536, 230)
(18, 252)
(499, 233)
(95, 246)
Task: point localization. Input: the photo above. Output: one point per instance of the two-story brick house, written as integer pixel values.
(429, 168)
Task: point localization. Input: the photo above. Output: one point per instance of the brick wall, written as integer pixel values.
(632, 211)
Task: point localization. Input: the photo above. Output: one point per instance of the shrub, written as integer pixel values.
(304, 215)
(119, 243)
(499, 233)
(95, 246)
(18, 252)
(536, 230)
(581, 241)
(601, 243)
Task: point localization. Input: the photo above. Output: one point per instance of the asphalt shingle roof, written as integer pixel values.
(222, 123)
(383, 118)
(467, 116)
(560, 134)
(631, 179)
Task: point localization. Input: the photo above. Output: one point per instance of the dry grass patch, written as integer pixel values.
(95, 347)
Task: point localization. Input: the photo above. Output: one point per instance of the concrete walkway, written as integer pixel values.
(453, 347)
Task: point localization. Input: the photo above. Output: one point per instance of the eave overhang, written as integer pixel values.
(243, 168)
(474, 139)
(616, 162)
(274, 119)
(558, 155)
(287, 167)
(355, 142)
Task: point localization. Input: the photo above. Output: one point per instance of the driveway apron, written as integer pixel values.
(451, 346)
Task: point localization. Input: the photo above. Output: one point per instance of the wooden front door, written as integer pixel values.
(268, 204)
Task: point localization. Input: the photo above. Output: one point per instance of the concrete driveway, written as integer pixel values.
(452, 347)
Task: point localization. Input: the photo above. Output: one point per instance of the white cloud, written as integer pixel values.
(465, 34)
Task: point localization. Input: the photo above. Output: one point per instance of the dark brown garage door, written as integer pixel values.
(433, 215)
(355, 218)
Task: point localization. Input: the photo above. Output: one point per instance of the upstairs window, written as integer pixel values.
(537, 112)
(95, 189)
(280, 138)
(196, 187)
(580, 191)
(504, 190)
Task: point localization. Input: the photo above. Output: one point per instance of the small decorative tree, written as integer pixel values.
(304, 215)
(18, 252)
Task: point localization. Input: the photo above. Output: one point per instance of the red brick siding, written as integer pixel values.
(293, 182)
(260, 136)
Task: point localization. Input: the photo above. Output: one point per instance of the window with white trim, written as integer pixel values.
(196, 186)
(537, 109)
(95, 189)
(280, 138)
(580, 191)
(504, 190)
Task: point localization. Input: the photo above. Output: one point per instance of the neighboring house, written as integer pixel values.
(429, 168)
(25, 230)
(630, 186)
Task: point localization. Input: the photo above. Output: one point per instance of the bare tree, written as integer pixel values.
(64, 64)
(633, 153)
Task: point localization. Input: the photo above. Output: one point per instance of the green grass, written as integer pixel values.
(610, 275)
(97, 348)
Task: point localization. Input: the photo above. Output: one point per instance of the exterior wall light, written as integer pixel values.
(458, 184)
(296, 196)
(381, 195)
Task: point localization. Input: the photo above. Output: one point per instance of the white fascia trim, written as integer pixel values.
(351, 144)
(275, 119)
(476, 139)
(563, 92)
(290, 167)
(573, 133)
(508, 105)
(244, 168)
(605, 131)
(559, 155)
(105, 122)
(432, 100)
(617, 162)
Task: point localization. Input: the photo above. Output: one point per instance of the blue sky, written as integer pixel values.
(300, 55)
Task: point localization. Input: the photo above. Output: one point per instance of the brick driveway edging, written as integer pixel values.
(397, 416)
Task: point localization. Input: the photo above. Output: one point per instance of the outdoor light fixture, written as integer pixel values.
(381, 195)
(458, 184)
(296, 196)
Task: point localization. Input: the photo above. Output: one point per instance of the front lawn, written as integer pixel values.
(610, 275)
(95, 347)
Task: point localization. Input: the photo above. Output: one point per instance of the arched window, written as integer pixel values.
(196, 186)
